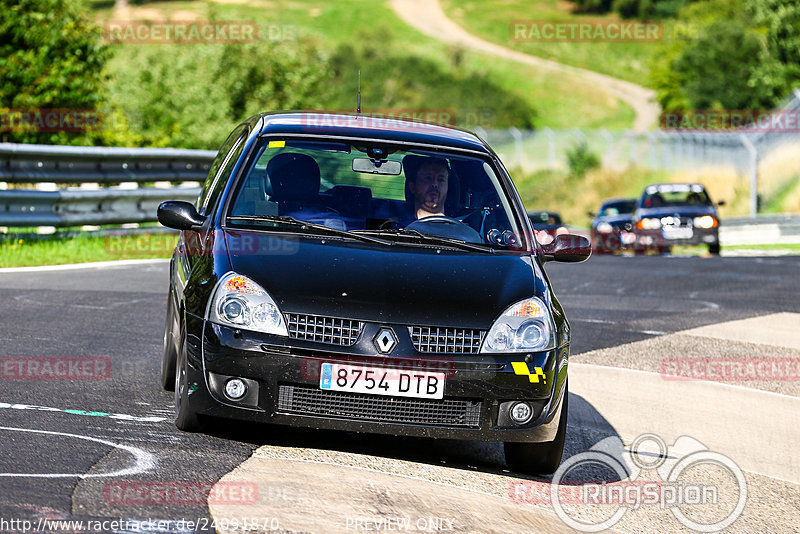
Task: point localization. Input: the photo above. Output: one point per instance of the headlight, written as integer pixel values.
(527, 326)
(706, 221)
(604, 228)
(240, 302)
(649, 223)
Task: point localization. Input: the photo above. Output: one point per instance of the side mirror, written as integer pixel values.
(569, 248)
(591, 214)
(179, 215)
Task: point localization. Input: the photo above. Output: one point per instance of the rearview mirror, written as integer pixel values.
(568, 248)
(377, 166)
(179, 215)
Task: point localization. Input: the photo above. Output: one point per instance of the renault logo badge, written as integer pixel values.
(385, 340)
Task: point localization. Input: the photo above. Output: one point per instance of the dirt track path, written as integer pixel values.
(427, 16)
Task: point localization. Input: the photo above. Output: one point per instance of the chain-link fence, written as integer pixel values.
(741, 150)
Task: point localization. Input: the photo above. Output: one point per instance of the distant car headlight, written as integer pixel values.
(604, 228)
(649, 223)
(705, 221)
(524, 327)
(240, 302)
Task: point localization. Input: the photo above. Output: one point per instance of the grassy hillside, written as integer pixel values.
(401, 68)
(491, 19)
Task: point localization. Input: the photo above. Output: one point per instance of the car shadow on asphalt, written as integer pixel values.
(586, 427)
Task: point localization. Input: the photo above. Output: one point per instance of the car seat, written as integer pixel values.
(293, 182)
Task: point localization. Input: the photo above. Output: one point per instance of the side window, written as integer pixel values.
(225, 154)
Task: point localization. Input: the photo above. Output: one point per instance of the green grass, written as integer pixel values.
(491, 20)
(767, 246)
(560, 101)
(55, 250)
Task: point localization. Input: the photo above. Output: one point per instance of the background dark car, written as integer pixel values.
(612, 228)
(547, 225)
(675, 214)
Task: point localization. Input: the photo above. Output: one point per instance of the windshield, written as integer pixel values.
(675, 195)
(617, 208)
(541, 219)
(366, 189)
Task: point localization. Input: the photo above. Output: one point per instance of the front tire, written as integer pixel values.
(170, 356)
(714, 248)
(185, 418)
(540, 458)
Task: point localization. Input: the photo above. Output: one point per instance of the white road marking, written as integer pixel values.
(145, 461)
(117, 416)
(90, 265)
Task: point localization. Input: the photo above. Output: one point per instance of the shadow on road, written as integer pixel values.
(586, 427)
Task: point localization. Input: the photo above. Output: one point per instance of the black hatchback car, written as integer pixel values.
(371, 275)
(675, 214)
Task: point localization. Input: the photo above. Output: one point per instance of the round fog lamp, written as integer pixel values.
(520, 412)
(235, 389)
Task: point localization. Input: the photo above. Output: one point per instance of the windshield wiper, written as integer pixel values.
(433, 239)
(291, 221)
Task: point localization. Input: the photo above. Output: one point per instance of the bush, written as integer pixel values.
(51, 57)
(580, 160)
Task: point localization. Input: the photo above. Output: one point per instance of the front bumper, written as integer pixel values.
(682, 236)
(285, 374)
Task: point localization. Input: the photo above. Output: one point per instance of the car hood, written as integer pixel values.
(391, 284)
(685, 211)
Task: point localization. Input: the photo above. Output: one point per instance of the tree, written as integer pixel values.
(51, 57)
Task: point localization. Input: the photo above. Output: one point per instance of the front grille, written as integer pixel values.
(438, 339)
(308, 400)
(330, 330)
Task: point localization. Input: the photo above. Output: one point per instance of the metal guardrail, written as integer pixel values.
(38, 164)
(21, 163)
(778, 229)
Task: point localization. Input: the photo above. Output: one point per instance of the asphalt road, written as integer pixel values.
(67, 445)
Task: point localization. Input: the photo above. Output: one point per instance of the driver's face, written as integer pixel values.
(430, 188)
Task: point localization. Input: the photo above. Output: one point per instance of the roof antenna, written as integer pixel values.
(358, 109)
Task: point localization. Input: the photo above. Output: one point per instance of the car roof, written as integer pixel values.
(369, 126)
(616, 200)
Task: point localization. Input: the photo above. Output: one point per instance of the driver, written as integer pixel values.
(429, 188)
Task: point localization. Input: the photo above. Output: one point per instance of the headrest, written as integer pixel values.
(293, 176)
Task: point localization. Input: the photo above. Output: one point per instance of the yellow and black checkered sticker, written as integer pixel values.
(521, 368)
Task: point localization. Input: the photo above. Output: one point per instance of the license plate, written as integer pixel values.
(677, 233)
(627, 238)
(379, 381)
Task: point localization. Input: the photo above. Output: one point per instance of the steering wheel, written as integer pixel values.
(445, 226)
(437, 219)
